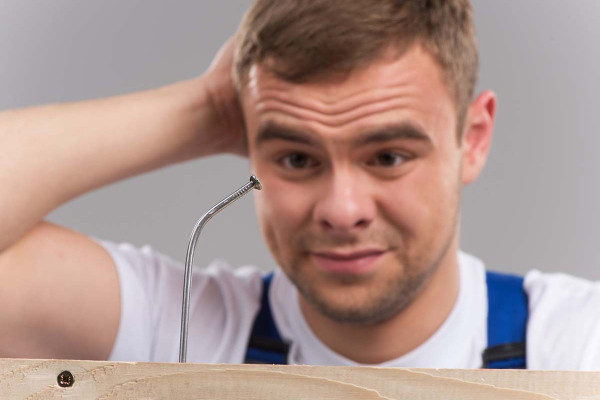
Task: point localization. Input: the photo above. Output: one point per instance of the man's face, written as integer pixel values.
(361, 180)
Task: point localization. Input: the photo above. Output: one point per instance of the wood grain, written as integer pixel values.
(37, 379)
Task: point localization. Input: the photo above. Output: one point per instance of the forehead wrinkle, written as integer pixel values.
(402, 92)
(353, 128)
(337, 120)
(334, 107)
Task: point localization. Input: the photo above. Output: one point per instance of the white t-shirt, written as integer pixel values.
(563, 329)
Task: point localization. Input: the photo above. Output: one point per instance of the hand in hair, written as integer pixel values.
(227, 123)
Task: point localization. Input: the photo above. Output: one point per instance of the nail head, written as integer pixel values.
(256, 182)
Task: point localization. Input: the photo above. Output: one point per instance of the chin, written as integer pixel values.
(359, 301)
(355, 312)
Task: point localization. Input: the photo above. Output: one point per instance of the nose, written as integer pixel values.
(345, 204)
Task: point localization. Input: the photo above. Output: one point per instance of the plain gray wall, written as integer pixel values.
(535, 206)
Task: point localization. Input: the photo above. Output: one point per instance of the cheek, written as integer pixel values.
(283, 210)
(402, 204)
(422, 202)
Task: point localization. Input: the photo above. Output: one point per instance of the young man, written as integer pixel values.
(359, 118)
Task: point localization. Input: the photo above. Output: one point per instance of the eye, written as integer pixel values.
(387, 159)
(297, 161)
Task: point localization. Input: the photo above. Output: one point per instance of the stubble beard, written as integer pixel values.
(384, 301)
(412, 273)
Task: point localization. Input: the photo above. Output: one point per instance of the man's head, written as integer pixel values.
(299, 41)
(353, 110)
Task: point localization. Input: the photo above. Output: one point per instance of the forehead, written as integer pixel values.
(390, 88)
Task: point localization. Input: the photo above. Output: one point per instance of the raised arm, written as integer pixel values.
(60, 288)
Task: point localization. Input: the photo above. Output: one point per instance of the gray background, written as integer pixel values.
(536, 205)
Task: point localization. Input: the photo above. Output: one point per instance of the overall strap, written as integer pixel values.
(265, 345)
(507, 322)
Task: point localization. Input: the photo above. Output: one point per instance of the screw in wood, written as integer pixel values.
(65, 379)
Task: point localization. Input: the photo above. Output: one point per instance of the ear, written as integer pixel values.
(477, 135)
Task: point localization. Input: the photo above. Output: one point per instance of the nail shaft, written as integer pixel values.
(187, 283)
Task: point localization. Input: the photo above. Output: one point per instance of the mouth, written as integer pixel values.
(354, 262)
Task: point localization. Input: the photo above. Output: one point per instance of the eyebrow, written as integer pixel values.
(403, 130)
(273, 131)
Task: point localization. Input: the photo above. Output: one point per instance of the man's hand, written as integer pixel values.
(227, 123)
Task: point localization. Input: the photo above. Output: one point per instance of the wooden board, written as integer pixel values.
(37, 379)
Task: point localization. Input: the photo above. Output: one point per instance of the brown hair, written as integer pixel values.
(299, 40)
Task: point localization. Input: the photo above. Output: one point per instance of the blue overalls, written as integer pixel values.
(507, 323)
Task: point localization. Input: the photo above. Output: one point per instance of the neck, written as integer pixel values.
(402, 333)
